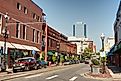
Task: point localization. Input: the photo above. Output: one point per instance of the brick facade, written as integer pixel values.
(22, 26)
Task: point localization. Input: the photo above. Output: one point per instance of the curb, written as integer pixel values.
(88, 76)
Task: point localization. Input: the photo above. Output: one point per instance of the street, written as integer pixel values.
(71, 73)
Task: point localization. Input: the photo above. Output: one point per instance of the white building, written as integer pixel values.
(81, 43)
(109, 43)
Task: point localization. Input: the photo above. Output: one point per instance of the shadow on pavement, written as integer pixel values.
(114, 68)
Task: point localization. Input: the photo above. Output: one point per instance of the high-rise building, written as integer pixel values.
(80, 30)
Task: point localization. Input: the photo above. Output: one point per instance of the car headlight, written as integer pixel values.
(14, 65)
(21, 64)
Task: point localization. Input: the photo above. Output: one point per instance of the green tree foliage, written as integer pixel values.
(98, 53)
(43, 56)
(87, 53)
(95, 62)
(61, 58)
(54, 58)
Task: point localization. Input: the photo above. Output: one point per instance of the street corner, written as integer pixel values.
(97, 76)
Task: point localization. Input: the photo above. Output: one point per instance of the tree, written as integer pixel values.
(87, 53)
(54, 58)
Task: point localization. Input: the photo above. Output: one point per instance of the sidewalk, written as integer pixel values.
(115, 72)
(100, 76)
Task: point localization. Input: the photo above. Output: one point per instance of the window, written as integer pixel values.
(25, 10)
(49, 43)
(38, 18)
(24, 32)
(18, 30)
(34, 16)
(18, 6)
(38, 36)
(33, 35)
(0, 23)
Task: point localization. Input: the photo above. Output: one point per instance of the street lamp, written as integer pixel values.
(5, 33)
(102, 38)
(103, 58)
(58, 56)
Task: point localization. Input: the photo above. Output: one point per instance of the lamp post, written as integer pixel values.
(103, 58)
(58, 56)
(5, 33)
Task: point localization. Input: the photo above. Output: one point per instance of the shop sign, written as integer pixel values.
(33, 52)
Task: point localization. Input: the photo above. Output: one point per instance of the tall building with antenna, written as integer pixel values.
(79, 30)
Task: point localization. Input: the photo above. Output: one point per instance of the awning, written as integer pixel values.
(35, 48)
(27, 47)
(18, 46)
(31, 48)
(8, 45)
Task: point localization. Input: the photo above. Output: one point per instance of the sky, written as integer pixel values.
(99, 16)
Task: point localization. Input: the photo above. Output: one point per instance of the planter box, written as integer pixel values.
(95, 69)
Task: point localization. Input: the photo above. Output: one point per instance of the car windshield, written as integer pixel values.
(23, 60)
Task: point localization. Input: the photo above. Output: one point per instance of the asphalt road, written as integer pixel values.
(72, 73)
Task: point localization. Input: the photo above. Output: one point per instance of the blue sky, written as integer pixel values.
(99, 15)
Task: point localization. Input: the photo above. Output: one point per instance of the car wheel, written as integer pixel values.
(35, 67)
(14, 70)
(45, 66)
(27, 68)
(40, 67)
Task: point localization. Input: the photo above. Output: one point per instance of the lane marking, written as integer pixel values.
(72, 79)
(34, 75)
(52, 77)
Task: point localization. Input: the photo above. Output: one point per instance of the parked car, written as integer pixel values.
(26, 63)
(76, 61)
(82, 61)
(86, 62)
(68, 62)
(42, 63)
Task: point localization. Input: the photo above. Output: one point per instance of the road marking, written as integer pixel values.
(72, 79)
(34, 75)
(52, 77)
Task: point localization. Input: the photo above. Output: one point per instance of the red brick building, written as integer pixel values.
(24, 33)
(29, 32)
(57, 45)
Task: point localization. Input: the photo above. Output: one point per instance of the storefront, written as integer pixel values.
(15, 51)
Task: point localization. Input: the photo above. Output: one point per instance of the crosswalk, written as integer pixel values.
(51, 77)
